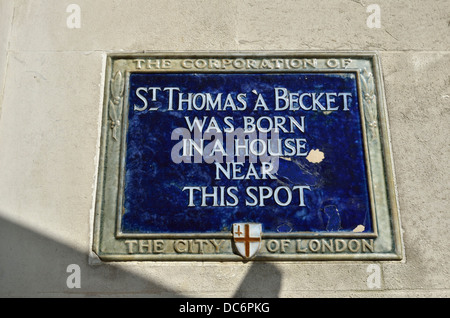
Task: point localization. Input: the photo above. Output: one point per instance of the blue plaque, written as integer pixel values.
(273, 157)
(158, 191)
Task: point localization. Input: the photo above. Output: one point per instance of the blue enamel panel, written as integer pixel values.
(154, 200)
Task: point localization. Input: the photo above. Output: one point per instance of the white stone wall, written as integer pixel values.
(51, 79)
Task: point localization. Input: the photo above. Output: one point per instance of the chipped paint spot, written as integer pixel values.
(359, 228)
(315, 156)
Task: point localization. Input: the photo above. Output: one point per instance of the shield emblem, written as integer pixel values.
(247, 238)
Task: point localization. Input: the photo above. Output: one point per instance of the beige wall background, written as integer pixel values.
(51, 79)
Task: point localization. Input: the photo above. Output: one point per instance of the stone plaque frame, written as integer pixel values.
(110, 244)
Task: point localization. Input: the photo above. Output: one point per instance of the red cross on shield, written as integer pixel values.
(247, 238)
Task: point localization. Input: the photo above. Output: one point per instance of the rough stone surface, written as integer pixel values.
(50, 95)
